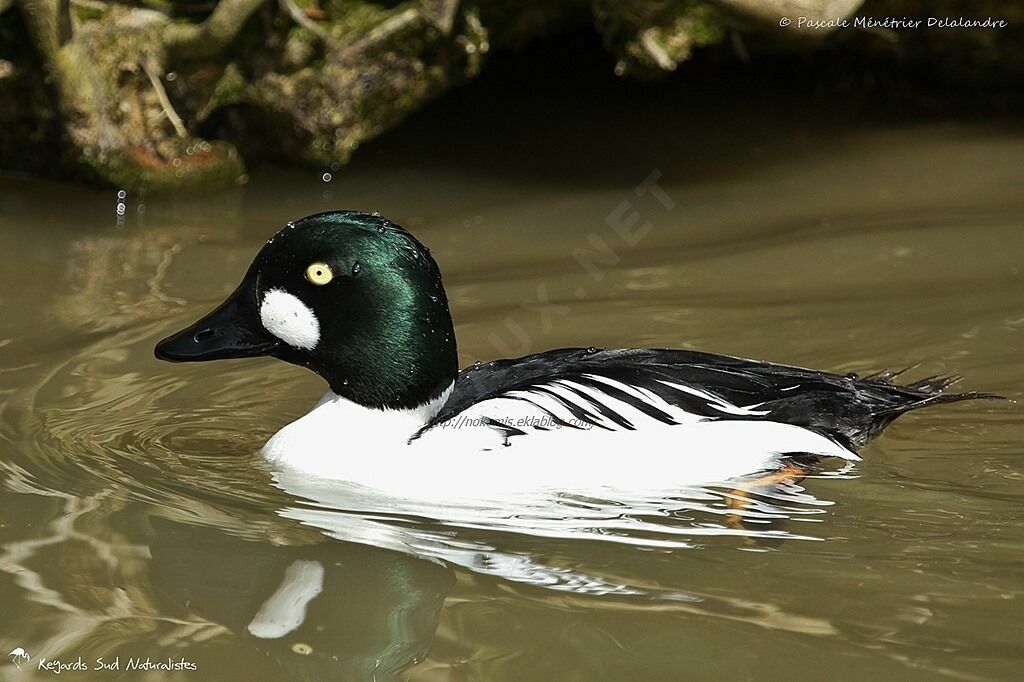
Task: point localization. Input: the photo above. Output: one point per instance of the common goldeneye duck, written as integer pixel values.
(359, 301)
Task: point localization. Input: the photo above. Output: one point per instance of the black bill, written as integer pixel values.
(233, 330)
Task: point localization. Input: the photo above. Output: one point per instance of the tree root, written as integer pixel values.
(116, 113)
(161, 94)
(213, 36)
(310, 80)
(299, 17)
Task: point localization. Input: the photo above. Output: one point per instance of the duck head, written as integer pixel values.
(349, 295)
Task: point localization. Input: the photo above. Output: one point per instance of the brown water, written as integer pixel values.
(137, 519)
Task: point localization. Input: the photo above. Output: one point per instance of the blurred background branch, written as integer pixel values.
(162, 94)
(214, 34)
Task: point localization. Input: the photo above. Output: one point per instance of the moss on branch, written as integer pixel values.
(211, 37)
(132, 91)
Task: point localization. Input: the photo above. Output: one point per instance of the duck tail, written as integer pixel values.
(921, 393)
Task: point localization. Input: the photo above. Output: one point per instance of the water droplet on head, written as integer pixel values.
(852, 376)
(376, 214)
(356, 268)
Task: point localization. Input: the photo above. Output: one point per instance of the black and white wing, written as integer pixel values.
(629, 389)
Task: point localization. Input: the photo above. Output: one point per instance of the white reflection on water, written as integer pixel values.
(479, 536)
(237, 572)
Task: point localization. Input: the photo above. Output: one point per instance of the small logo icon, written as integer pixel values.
(19, 656)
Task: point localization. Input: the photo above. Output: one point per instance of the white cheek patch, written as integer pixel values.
(290, 320)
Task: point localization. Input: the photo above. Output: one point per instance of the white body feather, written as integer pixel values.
(465, 458)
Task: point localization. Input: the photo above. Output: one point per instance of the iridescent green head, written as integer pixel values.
(351, 296)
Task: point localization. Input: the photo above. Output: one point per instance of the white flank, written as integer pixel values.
(290, 320)
(464, 458)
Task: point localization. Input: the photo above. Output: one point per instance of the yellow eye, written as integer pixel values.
(319, 274)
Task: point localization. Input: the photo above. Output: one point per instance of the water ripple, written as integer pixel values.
(164, 439)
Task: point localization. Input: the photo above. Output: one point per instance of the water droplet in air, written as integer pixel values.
(327, 177)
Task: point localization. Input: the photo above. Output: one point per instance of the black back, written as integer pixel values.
(847, 409)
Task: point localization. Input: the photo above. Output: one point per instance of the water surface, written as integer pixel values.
(137, 519)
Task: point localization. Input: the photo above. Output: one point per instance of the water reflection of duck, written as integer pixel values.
(331, 611)
(358, 300)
